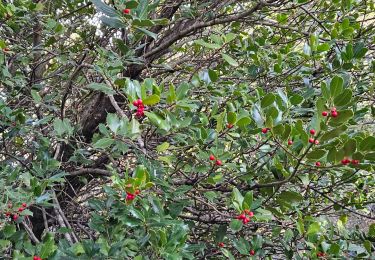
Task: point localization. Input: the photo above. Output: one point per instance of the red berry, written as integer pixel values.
(312, 131)
(242, 216)
(334, 113)
(290, 142)
(317, 164)
(212, 158)
(135, 103)
(15, 217)
(264, 130)
(345, 161)
(251, 214)
(324, 113)
(252, 252)
(7, 214)
(20, 209)
(219, 163)
(137, 192)
(37, 258)
(24, 205)
(221, 244)
(311, 140)
(130, 196)
(139, 114)
(355, 161)
(316, 142)
(140, 102)
(6, 49)
(333, 109)
(245, 220)
(126, 11)
(229, 126)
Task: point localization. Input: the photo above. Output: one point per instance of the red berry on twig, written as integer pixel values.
(334, 114)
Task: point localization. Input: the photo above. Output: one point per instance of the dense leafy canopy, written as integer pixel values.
(262, 107)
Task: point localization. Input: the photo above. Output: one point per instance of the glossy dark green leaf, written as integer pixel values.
(350, 147)
(112, 22)
(151, 100)
(344, 98)
(367, 144)
(333, 133)
(267, 100)
(103, 143)
(336, 86)
(316, 154)
(244, 121)
(104, 8)
(213, 75)
(131, 4)
(296, 99)
(235, 225)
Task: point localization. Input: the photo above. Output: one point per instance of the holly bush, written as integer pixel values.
(157, 129)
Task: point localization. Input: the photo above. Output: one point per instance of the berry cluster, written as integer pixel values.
(311, 139)
(140, 108)
(131, 196)
(244, 218)
(14, 215)
(346, 161)
(217, 162)
(334, 112)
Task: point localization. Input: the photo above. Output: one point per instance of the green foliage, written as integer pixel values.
(244, 82)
